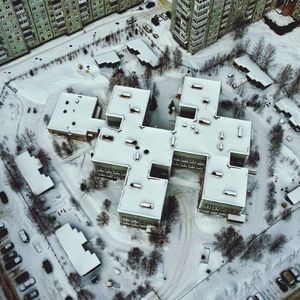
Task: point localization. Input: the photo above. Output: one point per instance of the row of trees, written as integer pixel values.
(289, 80)
(93, 183)
(231, 244)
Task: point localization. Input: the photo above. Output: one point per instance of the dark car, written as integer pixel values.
(150, 4)
(281, 284)
(9, 256)
(12, 263)
(7, 247)
(169, 15)
(31, 295)
(22, 277)
(155, 20)
(3, 233)
(47, 266)
(3, 197)
(288, 277)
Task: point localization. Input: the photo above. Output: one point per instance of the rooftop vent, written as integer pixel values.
(216, 116)
(134, 109)
(173, 139)
(217, 173)
(184, 125)
(204, 122)
(205, 100)
(146, 151)
(131, 142)
(67, 102)
(147, 205)
(136, 185)
(197, 86)
(240, 131)
(77, 101)
(192, 126)
(221, 146)
(222, 135)
(107, 137)
(125, 95)
(73, 123)
(64, 111)
(137, 156)
(196, 131)
(230, 193)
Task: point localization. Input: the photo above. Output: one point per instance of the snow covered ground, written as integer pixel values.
(182, 275)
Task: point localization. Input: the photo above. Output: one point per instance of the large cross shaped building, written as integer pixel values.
(143, 156)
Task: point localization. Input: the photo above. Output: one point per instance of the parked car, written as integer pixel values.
(164, 16)
(3, 233)
(31, 295)
(295, 273)
(2, 225)
(12, 263)
(282, 284)
(131, 20)
(27, 284)
(95, 279)
(168, 14)
(258, 296)
(155, 21)
(155, 35)
(23, 236)
(22, 277)
(250, 298)
(47, 266)
(150, 4)
(10, 255)
(147, 28)
(7, 247)
(287, 276)
(3, 197)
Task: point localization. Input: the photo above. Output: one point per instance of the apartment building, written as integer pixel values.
(199, 23)
(217, 147)
(29, 23)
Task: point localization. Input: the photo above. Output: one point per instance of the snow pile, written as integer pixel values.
(29, 167)
(279, 19)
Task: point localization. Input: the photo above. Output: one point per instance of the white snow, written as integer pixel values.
(29, 167)
(279, 19)
(145, 54)
(76, 114)
(72, 242)
(254, 72)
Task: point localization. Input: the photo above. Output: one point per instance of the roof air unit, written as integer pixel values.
(107, 137)
(230, 193)
(196, 131)
(137, 156)
(217, 173)
(147, 205)
(184, 125)
(221, 135)
(173, 139)
(125, 95)
(205, 100)
(240, 131)
(131, 142)
(197, 86)
(136, 185)
(221, 146)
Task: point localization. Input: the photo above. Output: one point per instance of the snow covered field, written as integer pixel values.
(182, 275)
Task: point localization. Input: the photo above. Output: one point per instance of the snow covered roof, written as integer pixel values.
(215, 137)
(255, 73)
(110, 57)
(279, 19)
(294, 195)
(151, 296)
(287, 106)
(29, 167)
(146, 54)
(72, 240)
(76, 114)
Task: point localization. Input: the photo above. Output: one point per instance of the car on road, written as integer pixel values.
(282, 284)
(295, 273)
(22, 277)
(289, 279)
(150, 4)
(12, 263)
(9, 256)
(31, 295)
(155, 21)
(147, 28)
(7, 247)
(155, 35)
(27, 284)
(3, 233)
(24, 236)
(131, 20)
(47, 266)
(164, 16)
(3, 197)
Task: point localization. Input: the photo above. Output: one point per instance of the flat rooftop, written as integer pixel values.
(287, 106)
(109, 57)
(76, 114)
(294, 195)
(29, 167)
(72, 240)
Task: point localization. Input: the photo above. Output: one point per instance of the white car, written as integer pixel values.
(117, 271)
(147, 28)
(24, 236)
(27, 284)
(295, 273)
(164, 16)
(2, 225)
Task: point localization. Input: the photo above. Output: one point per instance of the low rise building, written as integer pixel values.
(143, 156)
(107, 59)
(294, 196)
(76, 116)
(72, 241)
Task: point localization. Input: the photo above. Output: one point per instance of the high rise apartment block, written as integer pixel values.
(199, 23)
(25, 24)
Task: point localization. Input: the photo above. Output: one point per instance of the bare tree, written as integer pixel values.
(148, 77)
(107, 204)
(294, 87)
(102, 219)
(284, 77)
(277, 243)
(239, 27)
(134, 257)
(177, 57)
(257, 51)
(268, 57)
